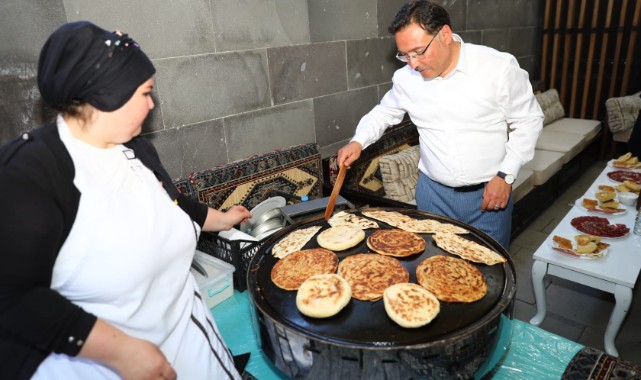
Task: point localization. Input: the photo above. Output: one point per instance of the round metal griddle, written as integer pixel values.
(364, 324)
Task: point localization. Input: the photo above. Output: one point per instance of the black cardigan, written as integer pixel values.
(38, 206)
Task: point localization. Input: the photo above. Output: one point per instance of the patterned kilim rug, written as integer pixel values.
(592, 364)
(364, 175)
(295, 170)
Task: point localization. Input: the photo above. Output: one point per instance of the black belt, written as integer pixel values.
(465, 189)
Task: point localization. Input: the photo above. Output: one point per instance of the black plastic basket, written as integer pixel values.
(231, 252)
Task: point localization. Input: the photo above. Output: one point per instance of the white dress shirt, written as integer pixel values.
(463, 118)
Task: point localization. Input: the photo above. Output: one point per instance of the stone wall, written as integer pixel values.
(242, 77)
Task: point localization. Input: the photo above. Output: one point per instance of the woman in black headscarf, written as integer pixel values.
(95, 241)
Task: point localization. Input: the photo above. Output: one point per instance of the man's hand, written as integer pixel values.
(496, 195)
(349, 153)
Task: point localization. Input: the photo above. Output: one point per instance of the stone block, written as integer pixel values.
(306, 71)
(336, 116)
(188, 149)
(371, 61)
(252, 24)
(266, 130)
(337, 20)
(167, 29)
(205, 87)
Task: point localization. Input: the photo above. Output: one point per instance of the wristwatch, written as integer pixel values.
(508, 178)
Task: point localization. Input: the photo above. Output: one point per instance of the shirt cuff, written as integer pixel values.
(510, 166)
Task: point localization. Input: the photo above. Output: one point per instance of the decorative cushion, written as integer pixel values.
(294, 170)
(399, 173)
(551, 106)
(364, 175)
(592, 364)
(569, 144)
(544, 165)
(585, 127)
(622, 112)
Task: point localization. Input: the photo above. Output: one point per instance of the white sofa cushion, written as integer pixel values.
(523, 184)
(544, 165)
(585, 127)
(569, 144)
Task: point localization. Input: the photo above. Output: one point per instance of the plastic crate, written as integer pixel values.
(238, 253)
(217, 285)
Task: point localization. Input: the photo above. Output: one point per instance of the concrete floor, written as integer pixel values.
(574, 311)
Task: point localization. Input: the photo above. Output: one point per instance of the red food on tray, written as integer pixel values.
(622, 175)
(598, 226)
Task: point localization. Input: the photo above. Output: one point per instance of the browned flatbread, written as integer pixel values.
(290, 272)
(429, 226)
(393, 218)
(451, 279)
(467, 249)
(395, 242)
(562, 242)
(370, 274)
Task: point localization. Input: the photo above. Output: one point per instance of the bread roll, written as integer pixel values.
(587, 248)
(605, 196)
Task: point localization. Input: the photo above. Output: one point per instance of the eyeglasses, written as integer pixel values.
(405, 57)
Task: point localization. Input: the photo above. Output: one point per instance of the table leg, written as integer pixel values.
(623, 299)
(539, 269)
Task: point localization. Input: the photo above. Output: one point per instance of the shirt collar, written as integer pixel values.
(462, 64)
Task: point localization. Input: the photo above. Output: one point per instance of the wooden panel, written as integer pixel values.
(590, 52)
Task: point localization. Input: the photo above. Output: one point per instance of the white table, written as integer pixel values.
(616, 272)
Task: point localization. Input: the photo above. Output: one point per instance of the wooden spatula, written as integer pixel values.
(337, 188)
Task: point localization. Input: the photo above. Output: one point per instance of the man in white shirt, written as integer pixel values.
(476, 114)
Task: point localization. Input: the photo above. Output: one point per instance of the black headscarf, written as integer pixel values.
(81, 62)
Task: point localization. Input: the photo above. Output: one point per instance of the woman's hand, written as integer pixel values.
(131, 357)
(141, 359)
(223, 221)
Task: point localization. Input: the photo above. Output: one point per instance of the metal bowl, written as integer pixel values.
(268, 216)
(272, 224)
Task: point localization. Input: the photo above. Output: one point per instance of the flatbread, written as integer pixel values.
(451, 279)
(395, 242)
(410, 305)
(429, 226)
(370, 274)
(294, 241)
(340, 238)
(344, 218)
(323, 295)
(393, 218)
(290, 272)
(467, 249)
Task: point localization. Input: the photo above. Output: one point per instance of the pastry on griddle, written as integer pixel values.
(370, 274)
(291, 271)
(395, 242)
(410, 305)
(323, 295)
(451, 279)
(340, 238)
(467, 249)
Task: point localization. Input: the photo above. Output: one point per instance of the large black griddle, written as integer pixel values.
(365, 324)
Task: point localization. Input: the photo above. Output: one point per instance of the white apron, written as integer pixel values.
(127, 261)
